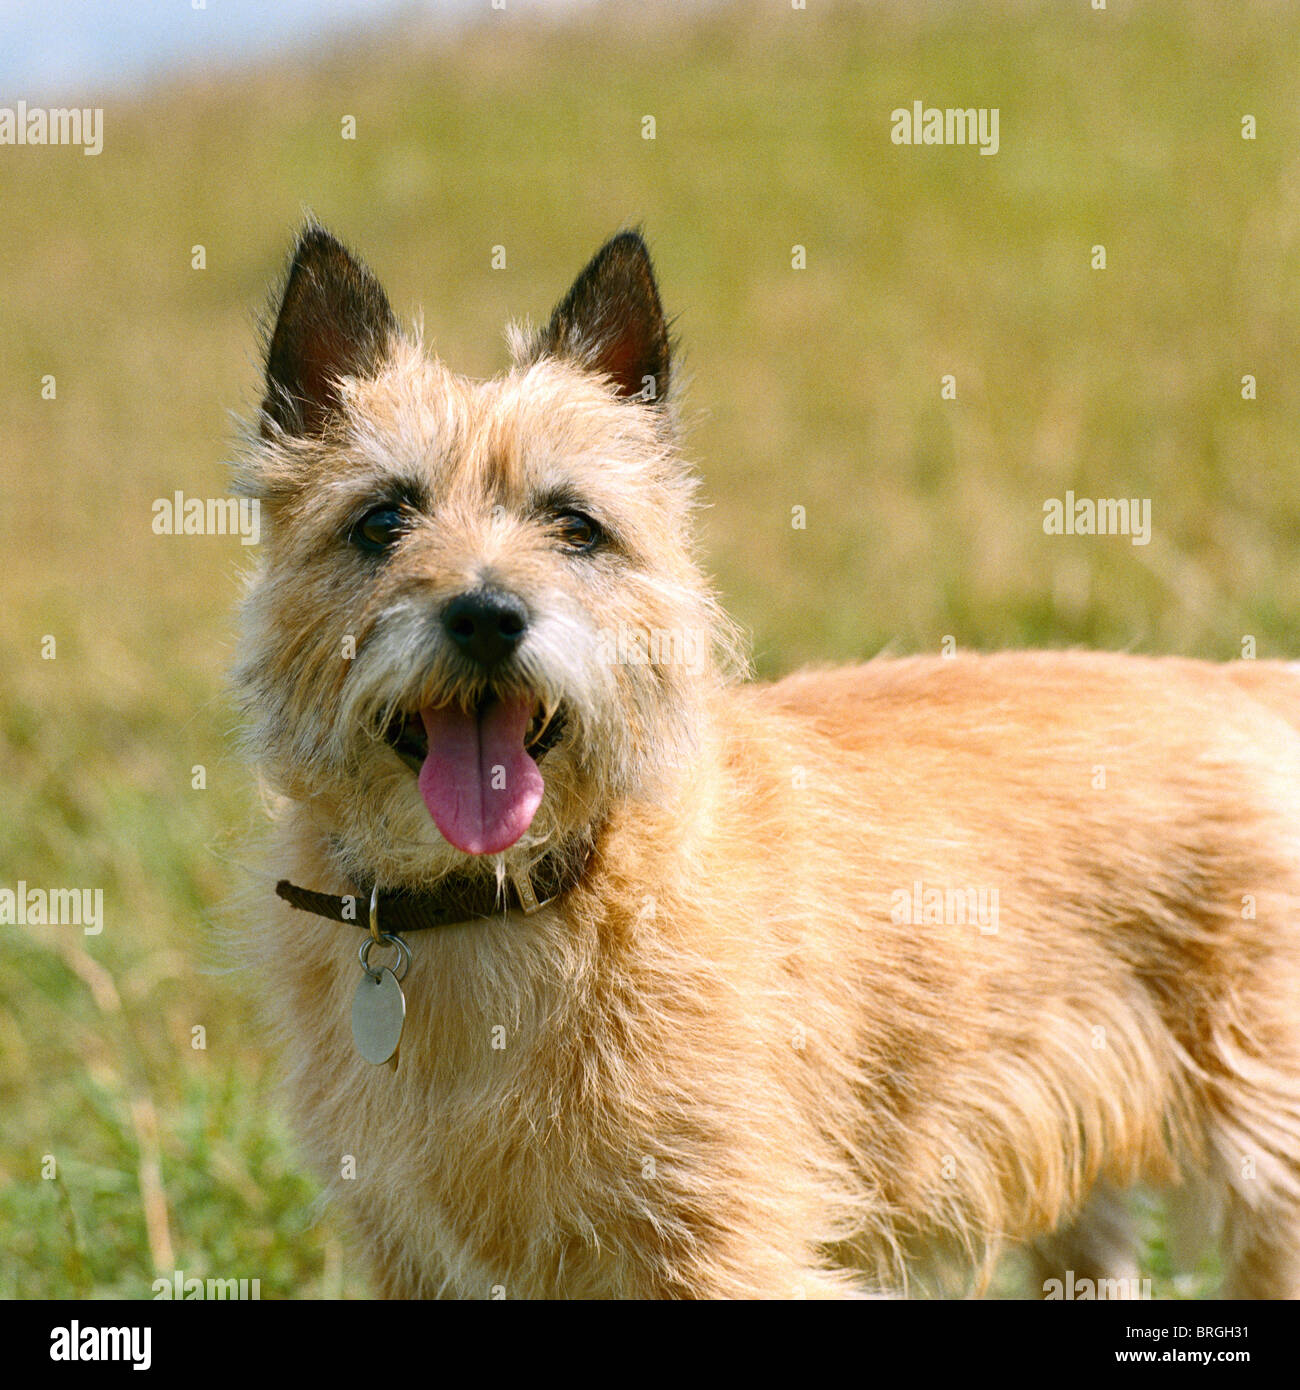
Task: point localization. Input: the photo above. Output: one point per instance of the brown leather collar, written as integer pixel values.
(458, 897)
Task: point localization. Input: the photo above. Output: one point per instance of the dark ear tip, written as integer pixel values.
(631, 239)
(313, 237)
(627, 245)
(316, 244)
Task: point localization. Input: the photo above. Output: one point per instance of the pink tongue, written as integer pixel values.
(481, 787)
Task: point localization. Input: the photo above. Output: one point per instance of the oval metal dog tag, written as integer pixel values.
(378, 1014)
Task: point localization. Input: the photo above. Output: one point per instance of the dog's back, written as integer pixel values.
(1072, 885)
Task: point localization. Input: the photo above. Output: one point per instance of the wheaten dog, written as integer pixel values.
(844, 979)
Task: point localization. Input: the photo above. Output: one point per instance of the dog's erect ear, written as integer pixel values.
(611, 321)
(334, 321)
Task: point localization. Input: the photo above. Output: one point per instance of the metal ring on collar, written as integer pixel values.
(386, 939)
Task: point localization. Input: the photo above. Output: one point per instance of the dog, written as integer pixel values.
(601, 970)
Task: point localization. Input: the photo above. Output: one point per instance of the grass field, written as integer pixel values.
(816, 388)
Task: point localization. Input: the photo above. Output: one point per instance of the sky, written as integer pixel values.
(62, 48)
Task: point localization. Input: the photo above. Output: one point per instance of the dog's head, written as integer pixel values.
(477, 619)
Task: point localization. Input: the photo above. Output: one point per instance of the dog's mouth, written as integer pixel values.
(407, 738)
(478, 768)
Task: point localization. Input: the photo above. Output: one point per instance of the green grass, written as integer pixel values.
(816, 388)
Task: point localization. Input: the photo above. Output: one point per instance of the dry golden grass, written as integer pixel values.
(815, 388)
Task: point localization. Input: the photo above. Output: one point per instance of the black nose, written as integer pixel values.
(486, 625)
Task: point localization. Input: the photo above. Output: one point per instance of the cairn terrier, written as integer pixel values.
(602, 971)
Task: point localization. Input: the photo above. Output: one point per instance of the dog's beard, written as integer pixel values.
(347, 743)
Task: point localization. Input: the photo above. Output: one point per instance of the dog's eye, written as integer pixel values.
(378, 530)
(577, 531)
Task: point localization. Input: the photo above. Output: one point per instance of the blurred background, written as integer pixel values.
(817, 388)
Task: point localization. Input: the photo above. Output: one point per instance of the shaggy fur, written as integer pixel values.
(769, 1045)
